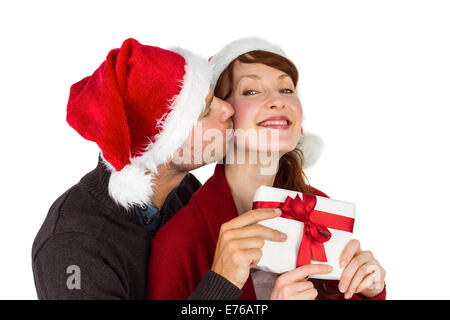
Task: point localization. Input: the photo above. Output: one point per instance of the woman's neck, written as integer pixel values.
(243, 180)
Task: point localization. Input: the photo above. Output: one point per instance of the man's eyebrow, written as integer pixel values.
(210, 101)
(207, 107)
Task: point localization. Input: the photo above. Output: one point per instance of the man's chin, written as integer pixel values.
(186, 167)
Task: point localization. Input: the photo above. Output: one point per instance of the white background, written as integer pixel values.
(374, 83)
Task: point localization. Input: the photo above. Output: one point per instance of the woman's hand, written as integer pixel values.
(240, 243)
(294, 284)
(362, 272)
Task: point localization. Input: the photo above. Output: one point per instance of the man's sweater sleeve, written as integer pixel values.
(75, 266)
(215, 287)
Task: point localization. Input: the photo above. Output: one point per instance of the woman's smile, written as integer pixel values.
(276, 122)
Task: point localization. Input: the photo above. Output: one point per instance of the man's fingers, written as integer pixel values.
(305, 271)
(251, 217)
(246, 243)
(255, 230)
(251, 256)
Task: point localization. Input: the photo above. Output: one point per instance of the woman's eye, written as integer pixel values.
(250, 92)
(286, 90)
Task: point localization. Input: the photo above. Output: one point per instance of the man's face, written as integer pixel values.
(207, 142)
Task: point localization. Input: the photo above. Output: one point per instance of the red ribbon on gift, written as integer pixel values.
(316, 224)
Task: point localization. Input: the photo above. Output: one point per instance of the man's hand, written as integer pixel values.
(240, 242)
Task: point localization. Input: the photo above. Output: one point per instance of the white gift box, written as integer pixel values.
(279, 257)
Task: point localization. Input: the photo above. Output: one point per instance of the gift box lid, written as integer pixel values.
(270, 194)
(279, 257)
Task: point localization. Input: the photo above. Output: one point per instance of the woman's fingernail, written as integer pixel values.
(342, 263)
(347, 295)
(283, 235)
(330, 268)
(278, 210)
(342, 288)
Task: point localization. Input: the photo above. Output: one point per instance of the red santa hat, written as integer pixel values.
(310, 144)
(139, 106)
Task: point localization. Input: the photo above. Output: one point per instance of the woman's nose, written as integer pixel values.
(274, 100)
(276, 103)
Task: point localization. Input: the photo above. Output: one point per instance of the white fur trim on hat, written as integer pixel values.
(234, 49)
(131, 186)
(186, 108)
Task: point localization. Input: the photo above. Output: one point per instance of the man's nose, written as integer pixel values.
(226, 110)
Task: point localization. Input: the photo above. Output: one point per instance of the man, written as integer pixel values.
(141, 107)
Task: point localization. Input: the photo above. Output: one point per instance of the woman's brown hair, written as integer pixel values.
(290, 173)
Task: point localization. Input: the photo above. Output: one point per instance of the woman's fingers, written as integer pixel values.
(369, 268)
(300, 286)
(303, 272)
(362, 272)
(374, 279)
(351, 249)
(310, 294)
(371, 281)
(298, 290)
(355, 271)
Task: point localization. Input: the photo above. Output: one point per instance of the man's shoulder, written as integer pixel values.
(79, 230)
(75, 211)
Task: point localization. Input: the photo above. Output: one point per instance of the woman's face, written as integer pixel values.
(264, 99)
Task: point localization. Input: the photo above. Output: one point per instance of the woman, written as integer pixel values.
(258, 80)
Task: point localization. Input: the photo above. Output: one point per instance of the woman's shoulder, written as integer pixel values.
(182, 225)
(317, 192)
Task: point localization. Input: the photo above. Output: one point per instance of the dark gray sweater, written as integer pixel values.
(90, 248)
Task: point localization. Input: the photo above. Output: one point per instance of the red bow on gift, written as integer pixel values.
(315, 231)
(314, 235)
